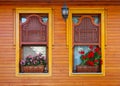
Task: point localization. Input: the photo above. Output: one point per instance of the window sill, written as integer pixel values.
(87, 74)
(32, 74)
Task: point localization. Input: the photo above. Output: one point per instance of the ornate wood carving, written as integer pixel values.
(34, 30)
(85, 31)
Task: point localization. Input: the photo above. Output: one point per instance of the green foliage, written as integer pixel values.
(34, 60)
(91, 58)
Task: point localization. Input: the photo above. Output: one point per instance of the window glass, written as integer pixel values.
(87, 55)
(23, 19)
(34, 50)
(75, 19)
(96, 19)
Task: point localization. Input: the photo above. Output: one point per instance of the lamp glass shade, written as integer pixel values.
(65, 12)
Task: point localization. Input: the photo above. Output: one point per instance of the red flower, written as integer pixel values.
(92, 57)
(90, 54)
(91, 47)
(96, 49)
(95, 61)
(83, 57)
(99, 52)
(90, 63)
(101, 61)
(82, 52)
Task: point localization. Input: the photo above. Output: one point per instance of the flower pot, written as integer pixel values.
(85, 68)
(32, 69)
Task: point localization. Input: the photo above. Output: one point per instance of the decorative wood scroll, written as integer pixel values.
(34, 30)
(86, 31)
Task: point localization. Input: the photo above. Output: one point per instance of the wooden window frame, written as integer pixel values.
(17, 39)
(100, 11)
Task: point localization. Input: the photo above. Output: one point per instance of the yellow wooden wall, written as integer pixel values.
(60, 64)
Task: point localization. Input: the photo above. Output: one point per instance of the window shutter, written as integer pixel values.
(86, 31)
(34, 30)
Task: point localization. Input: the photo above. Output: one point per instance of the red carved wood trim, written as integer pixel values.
(86, 31)
(34, 30)
(34, 43)
(34, 15)
(86, 16)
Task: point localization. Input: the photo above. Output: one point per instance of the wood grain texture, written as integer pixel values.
(60, 60)
(73, 2)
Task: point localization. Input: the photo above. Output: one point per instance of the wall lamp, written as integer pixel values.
(65, 11)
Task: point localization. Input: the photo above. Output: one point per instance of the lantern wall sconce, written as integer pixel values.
(65, 11)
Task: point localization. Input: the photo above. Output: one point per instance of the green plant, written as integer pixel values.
(34, 60)
(92, 57)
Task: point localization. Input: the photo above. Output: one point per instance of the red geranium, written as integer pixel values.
(90, 63)
(95, 61)
(96, 49)
(81, 52)
(90, 54)
(91, 47)
(101, 61)
(83, 57)
(92, 57)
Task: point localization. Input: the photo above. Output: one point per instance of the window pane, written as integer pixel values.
(44, 19)
(34, 60)
(96, 19)
(34, 50)
(23, 19)
(77, 55)
(75, 19)
(87, 56)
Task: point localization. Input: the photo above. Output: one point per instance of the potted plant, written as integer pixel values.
(33, 64)
(91, 60)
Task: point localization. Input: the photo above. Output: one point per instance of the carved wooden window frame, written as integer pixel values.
(71, 43)
(95, 31)
(19, 42)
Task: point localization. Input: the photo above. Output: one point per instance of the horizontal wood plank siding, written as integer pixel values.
(60, 60)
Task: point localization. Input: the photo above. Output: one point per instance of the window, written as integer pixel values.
(33, 42)
(86, 42)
